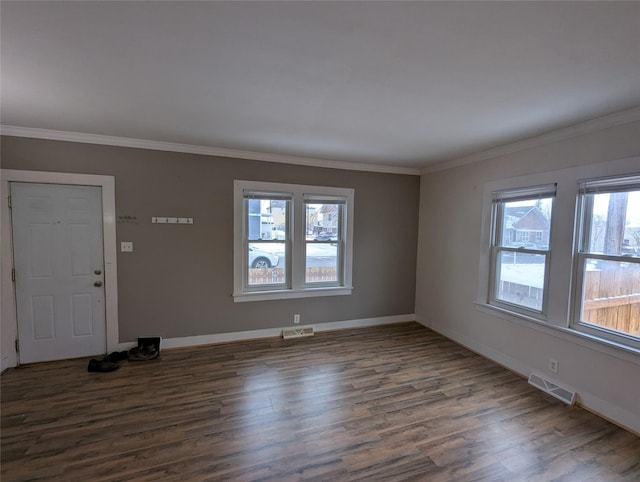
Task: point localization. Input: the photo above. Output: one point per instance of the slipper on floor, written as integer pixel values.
(103, 365)
(143, 353)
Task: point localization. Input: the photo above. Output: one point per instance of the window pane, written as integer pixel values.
(322, 224)
(614, 223)
(322, 263)
(520, 278)
(322, 221)
(611, 295)
(527, 224)
(267, 263)
(267, 219)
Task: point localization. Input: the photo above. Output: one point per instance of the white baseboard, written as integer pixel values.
(212, 339)
(382, 320)
(603, 408)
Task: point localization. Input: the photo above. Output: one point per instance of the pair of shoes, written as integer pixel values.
(117, 356)
(143, 353)
(103, 365)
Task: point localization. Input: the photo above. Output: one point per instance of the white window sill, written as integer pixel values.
(290, 294)
(596, 343)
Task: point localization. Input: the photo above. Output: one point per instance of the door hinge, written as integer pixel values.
(17, 346)
(9, 202)
(13, 275)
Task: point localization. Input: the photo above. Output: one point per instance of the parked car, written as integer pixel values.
(262, 259)
(326, 236)
(525, 245)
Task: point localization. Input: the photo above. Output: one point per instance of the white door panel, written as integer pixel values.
(58, 257)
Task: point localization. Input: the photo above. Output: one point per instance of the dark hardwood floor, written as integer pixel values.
(398, 402)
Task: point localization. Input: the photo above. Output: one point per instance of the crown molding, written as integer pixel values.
(599, 123)
(85, 138)
(593, 125)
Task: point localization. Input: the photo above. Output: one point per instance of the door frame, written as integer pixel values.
(9, 320)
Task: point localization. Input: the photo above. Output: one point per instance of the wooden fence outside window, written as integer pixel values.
(612, 299)
(261, 276)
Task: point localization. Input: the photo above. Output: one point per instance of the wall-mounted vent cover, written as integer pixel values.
(552, 388)
(297, 332)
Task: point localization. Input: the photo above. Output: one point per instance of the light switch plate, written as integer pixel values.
(126, 247)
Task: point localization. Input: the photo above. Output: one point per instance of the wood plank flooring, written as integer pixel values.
(397, 402)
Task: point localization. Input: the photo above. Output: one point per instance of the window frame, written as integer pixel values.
(584, 211)
(562, 283)
(498, 202)
(261, 194)
(295, 243)
(341, 201)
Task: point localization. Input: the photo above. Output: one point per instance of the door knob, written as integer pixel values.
(97, 283)
(98, 271)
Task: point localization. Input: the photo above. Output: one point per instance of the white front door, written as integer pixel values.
(59, 265)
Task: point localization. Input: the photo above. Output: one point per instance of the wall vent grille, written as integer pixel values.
(297, 332)
(552, 388)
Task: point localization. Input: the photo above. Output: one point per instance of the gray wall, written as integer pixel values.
(179, 279)
(447, 280)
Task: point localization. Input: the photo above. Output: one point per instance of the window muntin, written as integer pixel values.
(608, 259)
(519, 267)
(296, 241)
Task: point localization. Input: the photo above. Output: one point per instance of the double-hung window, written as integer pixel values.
(520, 267)
(565, 251)
(608, 259)
(291, 241)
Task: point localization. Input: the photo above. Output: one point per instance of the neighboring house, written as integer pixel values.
(312, 220)
(632, 239)
(328, 219)
(531, 227)
(279, 214)
(512, 215)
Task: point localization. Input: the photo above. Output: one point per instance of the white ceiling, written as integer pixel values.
(387, 84)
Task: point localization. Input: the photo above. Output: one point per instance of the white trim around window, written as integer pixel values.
(568, 253)
(607, 264)
(519, 274)
(285, 239)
